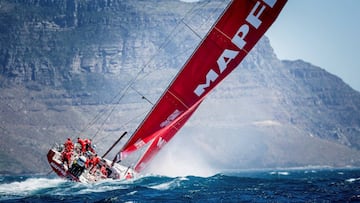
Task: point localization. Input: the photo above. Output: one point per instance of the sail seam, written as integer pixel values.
(177, 98)
(221, 32)
(174, 127)
(225, 35)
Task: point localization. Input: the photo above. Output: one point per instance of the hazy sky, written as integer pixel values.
(325, 33)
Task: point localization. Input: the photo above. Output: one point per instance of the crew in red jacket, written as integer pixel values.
(83, 144)
(94, 161)
(66, 157)
(104, 172)
(69, 146)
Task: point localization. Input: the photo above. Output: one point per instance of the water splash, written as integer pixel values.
(29, 186)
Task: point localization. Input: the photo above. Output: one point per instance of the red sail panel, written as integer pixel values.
(237, 31)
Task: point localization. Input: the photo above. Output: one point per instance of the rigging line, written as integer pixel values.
(129, 121)
(204, 23)
(91, 123)
(113, 108)
(142, 96)
(126, 89)
(207, 19)
(168, 37)
(166, 41)
(163, 64)
(104, 110)
(121, 94)
(192, 30)
(113, 101)
(221, 5)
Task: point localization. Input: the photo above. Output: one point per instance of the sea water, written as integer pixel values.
(305, 185)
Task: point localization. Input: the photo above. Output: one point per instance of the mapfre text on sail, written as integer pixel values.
(254, 20)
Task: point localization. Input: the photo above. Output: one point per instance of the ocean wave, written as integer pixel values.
(28, 186)
(352, 180)
(221, 187)
(284, 173)
(169, 184)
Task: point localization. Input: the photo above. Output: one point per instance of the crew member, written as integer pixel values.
(66, 157)
(69, 146)
(78, 166)
(92, 148)
(82, 144)
(94, 161)
(87, 144)
(104, 173)
(128, 176)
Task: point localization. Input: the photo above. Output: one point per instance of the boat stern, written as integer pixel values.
(55, 163)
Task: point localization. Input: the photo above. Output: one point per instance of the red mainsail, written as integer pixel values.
(232, 37)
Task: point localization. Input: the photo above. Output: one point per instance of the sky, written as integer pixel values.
(325, 33)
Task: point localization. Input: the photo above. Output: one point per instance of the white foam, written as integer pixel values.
(171, 184)
(101, 186)
(352, 180)
(28, 186)
(163, 186)
(284, 173)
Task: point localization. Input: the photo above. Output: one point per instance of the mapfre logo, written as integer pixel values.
(63, 173)
(238, 40)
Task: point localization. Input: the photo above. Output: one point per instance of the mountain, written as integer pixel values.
(82, 68)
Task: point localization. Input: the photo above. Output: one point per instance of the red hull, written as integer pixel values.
(58, 167)
(87, 175)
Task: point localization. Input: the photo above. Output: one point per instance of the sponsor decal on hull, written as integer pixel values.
(58, 168)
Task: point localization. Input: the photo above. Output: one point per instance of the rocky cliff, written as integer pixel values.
(66, 66)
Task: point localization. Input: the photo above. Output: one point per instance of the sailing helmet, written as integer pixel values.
(82, 158)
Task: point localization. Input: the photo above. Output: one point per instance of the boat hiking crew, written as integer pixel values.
(104, 172)
(69, 146)
(68, 152)
(84, 157)
(93, 163)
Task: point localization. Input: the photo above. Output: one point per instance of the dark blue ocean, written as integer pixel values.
(306, 185)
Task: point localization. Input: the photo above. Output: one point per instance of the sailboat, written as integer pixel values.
(230, 39)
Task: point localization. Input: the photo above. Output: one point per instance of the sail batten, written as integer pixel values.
(227, 43)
